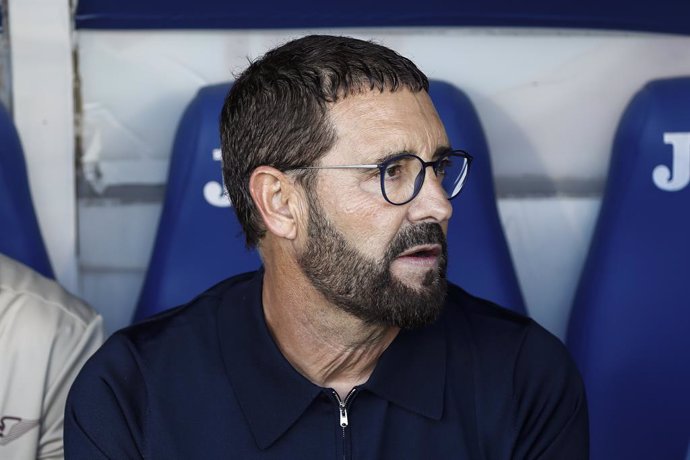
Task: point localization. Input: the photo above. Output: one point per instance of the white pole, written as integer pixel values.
(43, 108)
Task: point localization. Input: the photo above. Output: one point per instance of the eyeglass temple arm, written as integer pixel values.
(460, 153)
(341, 167)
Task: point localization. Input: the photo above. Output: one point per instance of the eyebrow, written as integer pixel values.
(440, 151)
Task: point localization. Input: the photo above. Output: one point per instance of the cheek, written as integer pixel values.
(365, 219)
(368, 225)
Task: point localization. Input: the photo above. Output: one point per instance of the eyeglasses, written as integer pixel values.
(402, 176)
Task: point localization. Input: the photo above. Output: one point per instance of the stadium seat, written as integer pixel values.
(478, 255)
(200, 242)
(20, 236)
(630, 325)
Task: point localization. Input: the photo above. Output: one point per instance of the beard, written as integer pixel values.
(366, 288)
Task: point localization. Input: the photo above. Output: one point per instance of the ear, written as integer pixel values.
(274, 195)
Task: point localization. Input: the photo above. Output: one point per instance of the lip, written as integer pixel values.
(424, 251)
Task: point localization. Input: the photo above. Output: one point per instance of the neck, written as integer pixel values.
(327, 345)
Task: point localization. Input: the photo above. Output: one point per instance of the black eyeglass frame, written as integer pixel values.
(419, 182)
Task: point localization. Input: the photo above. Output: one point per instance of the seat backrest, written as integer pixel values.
(200, 241)
(630, 324)
(20, 236)
(478, 255)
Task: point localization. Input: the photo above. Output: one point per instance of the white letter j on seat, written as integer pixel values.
(677, 178)
(214, 192)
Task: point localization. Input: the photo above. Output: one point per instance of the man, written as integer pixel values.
(349, 343)
(46, 335)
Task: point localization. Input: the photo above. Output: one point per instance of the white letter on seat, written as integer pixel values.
(214, 192)
(679, 178)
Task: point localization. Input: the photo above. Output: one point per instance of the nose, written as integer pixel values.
(431, 204)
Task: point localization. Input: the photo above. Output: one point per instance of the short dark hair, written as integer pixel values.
(276, 113)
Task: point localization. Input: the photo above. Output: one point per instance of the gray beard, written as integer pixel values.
(366, 288)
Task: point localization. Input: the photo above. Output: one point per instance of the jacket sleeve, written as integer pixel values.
(105, 415)
(71, 347)
(551, 420)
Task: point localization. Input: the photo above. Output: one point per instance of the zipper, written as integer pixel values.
(342, 406)
(342, 412)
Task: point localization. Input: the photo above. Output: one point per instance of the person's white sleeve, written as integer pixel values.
(71, 351)
(46, 335)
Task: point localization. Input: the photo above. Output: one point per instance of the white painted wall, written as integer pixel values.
(549, 99)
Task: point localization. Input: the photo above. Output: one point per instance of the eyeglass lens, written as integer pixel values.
(403, 177)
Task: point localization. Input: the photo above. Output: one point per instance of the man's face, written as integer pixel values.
(383, 263)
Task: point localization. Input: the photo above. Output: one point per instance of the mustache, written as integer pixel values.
(426, 233)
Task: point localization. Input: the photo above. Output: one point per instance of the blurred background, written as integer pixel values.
(97, 88)
(581, 103)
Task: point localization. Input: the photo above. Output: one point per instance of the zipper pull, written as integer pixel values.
(343, 407)
(343, 415)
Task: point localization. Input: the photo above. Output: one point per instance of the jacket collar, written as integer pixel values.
(273, 395)
(411, 373)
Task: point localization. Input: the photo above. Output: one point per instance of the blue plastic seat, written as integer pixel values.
(630, 324)
(200, 241)
(20, 236)
(478, 256)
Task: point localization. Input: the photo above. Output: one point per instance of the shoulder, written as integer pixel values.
(46, 334)
(504, 338)
(526, 381)
(159, 359)
(188, 325)
(499, 331)
(188, 332)
(37, 307)
(490, 328)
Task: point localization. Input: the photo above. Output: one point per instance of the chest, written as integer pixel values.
(367, 427)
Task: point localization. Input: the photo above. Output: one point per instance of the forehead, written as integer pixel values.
(372, 124)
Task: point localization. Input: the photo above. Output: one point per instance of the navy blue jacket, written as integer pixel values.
(206, 380)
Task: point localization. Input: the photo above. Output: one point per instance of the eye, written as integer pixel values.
(393, 171)
(443, 165)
